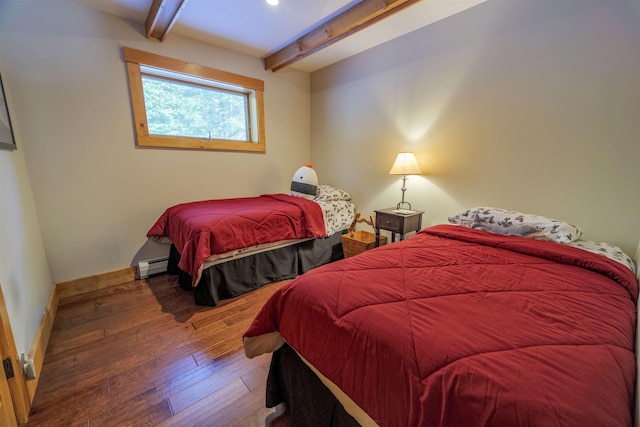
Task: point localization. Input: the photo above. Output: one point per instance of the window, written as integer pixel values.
(182, 105)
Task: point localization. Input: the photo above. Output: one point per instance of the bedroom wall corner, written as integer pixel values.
(24, 271)
(528, 106)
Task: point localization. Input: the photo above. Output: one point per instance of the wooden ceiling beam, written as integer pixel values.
(163, 14)
(352, 20)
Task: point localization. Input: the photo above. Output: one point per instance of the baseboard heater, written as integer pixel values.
(152, 266)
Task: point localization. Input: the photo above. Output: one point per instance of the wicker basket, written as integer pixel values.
(355, 242)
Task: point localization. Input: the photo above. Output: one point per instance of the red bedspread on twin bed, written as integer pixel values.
(201, 229)
(460, 327)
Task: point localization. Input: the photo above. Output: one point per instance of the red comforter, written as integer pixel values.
(460, 327)
(205, 228)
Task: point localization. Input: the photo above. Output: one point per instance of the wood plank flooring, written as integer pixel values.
(143, 354)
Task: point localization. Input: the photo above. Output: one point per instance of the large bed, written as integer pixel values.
(498, 319)
(225, 247)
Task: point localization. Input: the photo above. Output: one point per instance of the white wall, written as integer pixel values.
(525, 105)
(95, 192)
(24, 273)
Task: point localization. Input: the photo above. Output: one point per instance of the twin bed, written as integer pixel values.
(224, 248)
(499, 318)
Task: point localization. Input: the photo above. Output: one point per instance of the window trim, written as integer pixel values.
(134, 58)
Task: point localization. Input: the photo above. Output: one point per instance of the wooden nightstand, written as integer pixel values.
(387, 219)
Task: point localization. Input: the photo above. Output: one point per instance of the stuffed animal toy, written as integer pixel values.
(305, 182)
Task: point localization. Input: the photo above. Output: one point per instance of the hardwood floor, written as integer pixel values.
(143, 354)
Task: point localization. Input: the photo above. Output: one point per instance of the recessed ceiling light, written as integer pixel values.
(273, 2)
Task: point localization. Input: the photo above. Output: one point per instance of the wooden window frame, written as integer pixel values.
(135, 58)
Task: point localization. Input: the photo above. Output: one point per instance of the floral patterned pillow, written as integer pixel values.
(548, 228)
(606, 249)
(327, 193)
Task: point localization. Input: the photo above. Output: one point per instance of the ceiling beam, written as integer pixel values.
(163, 14)
(352, 20)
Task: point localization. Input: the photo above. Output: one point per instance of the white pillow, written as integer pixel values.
(547, 228)
(606, 249)
(327, 193)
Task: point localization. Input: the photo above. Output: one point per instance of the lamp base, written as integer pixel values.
(403, 208)
(403, 205)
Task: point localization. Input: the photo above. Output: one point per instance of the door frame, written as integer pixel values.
(17, 384)
(7, 413)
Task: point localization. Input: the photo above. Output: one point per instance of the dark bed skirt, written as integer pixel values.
(235, 277)
(309, 402)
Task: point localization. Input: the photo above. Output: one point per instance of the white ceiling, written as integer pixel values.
(257, 29)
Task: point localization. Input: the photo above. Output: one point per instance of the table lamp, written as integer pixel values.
(404, 165)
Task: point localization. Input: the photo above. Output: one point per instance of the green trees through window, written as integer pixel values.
(178, 104)
(180, 109)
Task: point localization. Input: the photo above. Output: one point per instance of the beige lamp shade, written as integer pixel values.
(405, 164)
